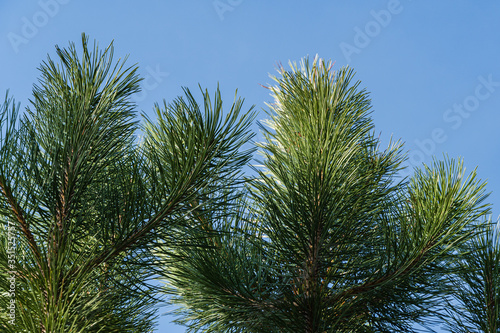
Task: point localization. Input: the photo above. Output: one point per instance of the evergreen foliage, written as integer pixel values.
(324, 238)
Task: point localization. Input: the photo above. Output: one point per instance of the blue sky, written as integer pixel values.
(432, 68)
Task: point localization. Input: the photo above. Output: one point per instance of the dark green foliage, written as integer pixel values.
(476, 306)
(325, 237)
(86, 201)
(330, 241)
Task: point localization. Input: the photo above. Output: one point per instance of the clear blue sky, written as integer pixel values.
(433, 68)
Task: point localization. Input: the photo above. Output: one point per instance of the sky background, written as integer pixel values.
(432, 68)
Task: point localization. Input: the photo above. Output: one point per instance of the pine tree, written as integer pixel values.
(85, 201)
(475, 306)
(327, 238)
